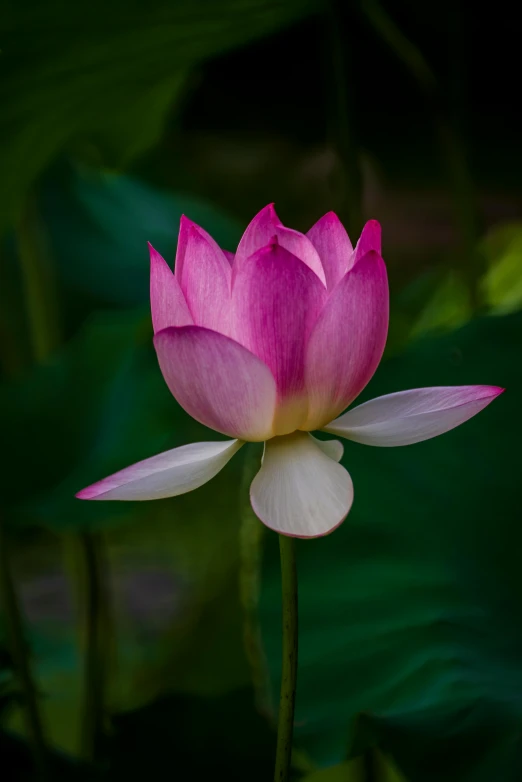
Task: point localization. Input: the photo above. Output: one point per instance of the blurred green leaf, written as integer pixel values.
(502, 283)
(79, 414)
(98, 68)
(174, 608)
(436, 301)
(439, 300)
(100, 405)
(448, 307)
(410, 611)
(99, 225)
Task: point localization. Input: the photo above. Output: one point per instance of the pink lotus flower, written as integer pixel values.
(270, 345)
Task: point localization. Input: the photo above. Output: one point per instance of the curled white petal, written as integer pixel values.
(300, 491)
(332, 448)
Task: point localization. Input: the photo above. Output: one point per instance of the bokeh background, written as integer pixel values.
(153, 629)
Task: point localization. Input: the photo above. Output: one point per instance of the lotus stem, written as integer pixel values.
(285, 728)
(19, 650)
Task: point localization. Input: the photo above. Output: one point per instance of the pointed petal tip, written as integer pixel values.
(370, 239)
(187, 225)
(372, 230)
(331, 216)
(91, 492)
(485, 392)
(156, 258)
(269, 210)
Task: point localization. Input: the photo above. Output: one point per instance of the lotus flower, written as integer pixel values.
(270, 345)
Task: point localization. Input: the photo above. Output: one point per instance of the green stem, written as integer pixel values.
(94, 610)
(285, 728)
(20, 655)
(251, 541)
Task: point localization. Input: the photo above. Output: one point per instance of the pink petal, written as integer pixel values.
(259, 232)
(167, 302)
(217, 381)
(276, 300)
(347, 341)
(165, 475)
(204, 275)
(300, 246)
(412, 416)
(264, 227)
(300, 491)
(334, 247)
(369, 240)
(229, 256)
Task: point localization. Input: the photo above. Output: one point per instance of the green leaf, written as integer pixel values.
(436, 301)
(410, 611)
(101, 405)
(99, 224)
(502, 283)
(98, 65)
(98, 406)
(448, 307)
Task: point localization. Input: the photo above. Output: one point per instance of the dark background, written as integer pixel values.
(153, 629)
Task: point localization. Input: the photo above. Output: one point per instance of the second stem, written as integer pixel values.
(285, 727)
(94, 611)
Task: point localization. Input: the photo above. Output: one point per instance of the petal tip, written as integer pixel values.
(186, 224)
(331, 216)
(156, 258)
(489, 392)
(89, 493)
(269, 209)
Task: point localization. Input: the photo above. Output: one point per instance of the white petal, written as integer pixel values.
(299, 490)
(412, 416)
(165, 475)
(332, 448)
